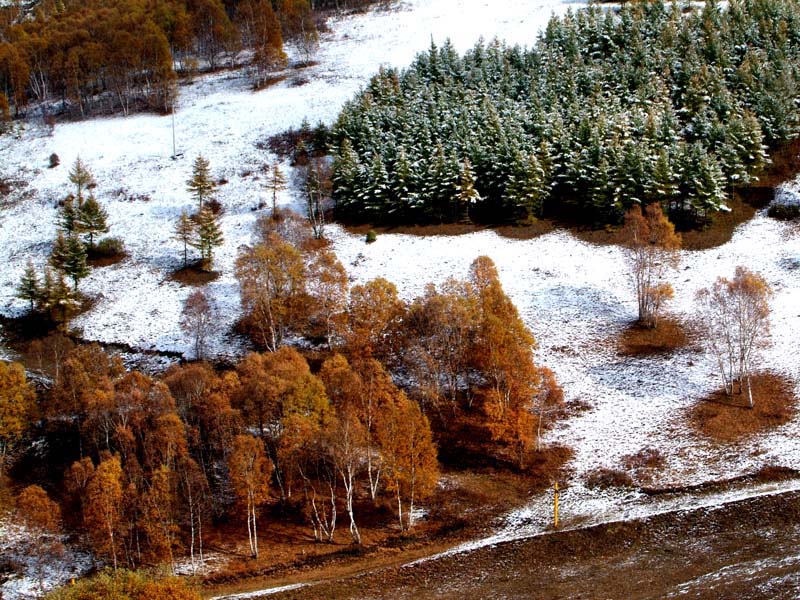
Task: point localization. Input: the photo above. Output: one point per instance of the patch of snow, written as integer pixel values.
(261, 593)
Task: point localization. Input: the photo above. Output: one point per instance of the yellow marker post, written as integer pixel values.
(555, 506)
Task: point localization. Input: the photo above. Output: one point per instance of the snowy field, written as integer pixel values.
(575, 296)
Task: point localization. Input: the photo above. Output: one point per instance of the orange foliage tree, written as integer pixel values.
(651, 245)
(411, 467)
(17, 407)
(103, 507)
(249, 473)
(272, 277)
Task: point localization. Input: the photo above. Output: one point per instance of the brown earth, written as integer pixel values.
(729, 418)
(667, 336)
(743, 550)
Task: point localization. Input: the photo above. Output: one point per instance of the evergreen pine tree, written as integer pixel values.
(81, 177)
(60, 299)
(74, 264)
(346, 172)
(201, 186)
(69, 215)
(184, 232)
(46, 290)
(526, 189)
(466, 196)
(28, 287)
(58, 255)
(91, 219)
(208, 236)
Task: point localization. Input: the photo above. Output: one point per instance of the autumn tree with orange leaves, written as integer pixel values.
(103, 506)
(250, 471)
(651, 246)
(17, 407)
(502, 354)
(410, 465)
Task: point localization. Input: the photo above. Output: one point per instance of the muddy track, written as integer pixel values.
(744, 550)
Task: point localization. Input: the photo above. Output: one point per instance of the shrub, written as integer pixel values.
(645, 459)
(606, 478)
(109, 247)
(215, 206)
(125, 584)
(371, 236)
(784, 212)
(54, 160)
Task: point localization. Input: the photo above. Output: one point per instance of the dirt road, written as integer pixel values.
(743, 550)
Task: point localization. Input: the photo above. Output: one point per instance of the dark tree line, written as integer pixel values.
(606, 111)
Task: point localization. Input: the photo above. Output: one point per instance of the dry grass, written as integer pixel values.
(720, 230)
(418, 230)
(669, 335)
(106, 261)
(194, 275)
(607, 478)
(728, 419)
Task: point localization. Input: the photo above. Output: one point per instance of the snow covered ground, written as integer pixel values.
(575, 296)
(34, 576)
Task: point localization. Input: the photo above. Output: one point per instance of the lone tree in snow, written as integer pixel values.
(735, 317)
(196, 320)
(82, 177)
(29, 288)
(275, 182)
(652, 246)
(201, 185)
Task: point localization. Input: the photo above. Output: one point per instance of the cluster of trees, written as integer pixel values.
(149, 464)
(200, 230)
(81, 220)
(649, 105)
(156, 462)
(462, 349)
(123, 55)
(733, 315)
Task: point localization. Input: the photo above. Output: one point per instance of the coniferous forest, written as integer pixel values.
(653, 103)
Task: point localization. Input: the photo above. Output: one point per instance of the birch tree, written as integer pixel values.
(651, 246)
(734, 315)
(250, 471)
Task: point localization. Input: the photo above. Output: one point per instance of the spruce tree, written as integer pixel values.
(28, 287)
(60, 298)
(69, 215)
(81, 177)
(208, 236)
(184, 232)
(74, 264)
(201, 185)
(58, 255)
(466, 196)
(91, 219)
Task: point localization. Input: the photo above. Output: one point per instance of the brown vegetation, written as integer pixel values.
(667, 336)
(607, 478)
(727, 418)
(194, 275)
